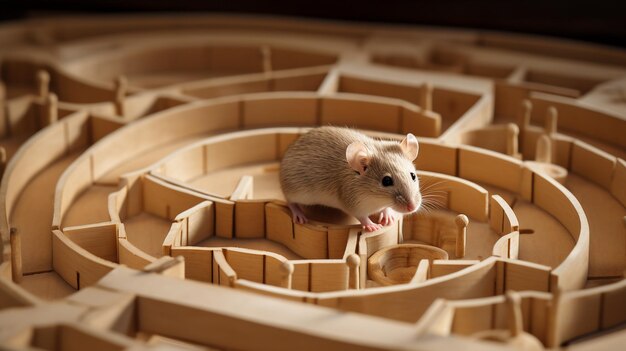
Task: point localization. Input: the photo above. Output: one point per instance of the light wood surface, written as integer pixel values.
(155, 142)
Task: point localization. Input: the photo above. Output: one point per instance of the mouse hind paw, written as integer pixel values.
(297, 214)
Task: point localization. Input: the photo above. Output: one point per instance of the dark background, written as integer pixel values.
(600, 21)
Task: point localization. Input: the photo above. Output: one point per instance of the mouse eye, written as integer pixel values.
(413, 176)
(387, 181)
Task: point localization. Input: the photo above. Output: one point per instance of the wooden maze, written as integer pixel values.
(141, 207)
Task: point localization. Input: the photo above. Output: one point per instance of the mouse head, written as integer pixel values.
(387, 173)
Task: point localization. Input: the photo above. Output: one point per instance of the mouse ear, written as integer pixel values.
(410, 147)
(358, 157)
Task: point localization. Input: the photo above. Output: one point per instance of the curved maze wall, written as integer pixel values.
(141, 164)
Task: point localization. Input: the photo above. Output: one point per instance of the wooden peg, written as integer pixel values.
(3, 96)
(512, 135)
(43, 83)
(552, 115)
(543, 151)
(3, 159)
(426, 102)
(353, 262)
(287, 272)
(513, 303)
(3, 93)
(523, 119)
(121, 86)
(266, 56)
(16, 255)
(51, 114)
(461, 222)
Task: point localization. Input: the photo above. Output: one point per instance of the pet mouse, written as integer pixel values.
(347, 170)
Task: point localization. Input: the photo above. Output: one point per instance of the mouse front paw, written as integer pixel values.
(368, 225)
(387, 216)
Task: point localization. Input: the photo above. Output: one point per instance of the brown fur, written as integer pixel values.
(314, 170)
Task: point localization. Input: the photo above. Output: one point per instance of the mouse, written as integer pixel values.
(342, 168)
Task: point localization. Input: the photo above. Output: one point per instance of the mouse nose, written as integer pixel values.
(411, 206)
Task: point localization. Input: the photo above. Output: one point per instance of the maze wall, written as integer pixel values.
(141, 208)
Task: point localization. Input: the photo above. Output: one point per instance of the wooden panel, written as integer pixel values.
(78, 179)
(593, 164)
(284, 140)
(337, 241)
(491, 168)
(300, 277)
(329, 276)
(222, 271)
(170, 125)
(614, 305)
(273, 270)
(103, 126)
(361, 113)
(409, 303)
(247, 265)
(463, 196)
(100, 239)
(575, 116)
(520, 276)
(165, 200)
(201, 223)
(369, 243)
(250, 149)
(224, 219)
(75, 265)
(420, 122)
(578, 314)
(618, 190)
(77, 338)
(76, 131)
(549, 196)
(472, 319)
(289, 109)
(443, 267)
(501, 217)
(310, 242)
(435, 157)
(380, 88)
(198, 262)
(279, 224)
(185, 165)
(250, 219)
(130, 256)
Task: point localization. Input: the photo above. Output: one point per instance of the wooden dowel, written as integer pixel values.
(353, 262)
(3, 159)
(16, 255)
(512, 135)
(543, 152)
(551, 122)
(461, 222)
(523, 121)
(43, 83)
(426, 102)
(286, 269)
(266, 56)
(513, 303)
(3, 97)
(121, 86)
(51, 109)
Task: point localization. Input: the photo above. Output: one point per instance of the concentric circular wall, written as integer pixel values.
(141, 206)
